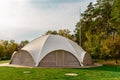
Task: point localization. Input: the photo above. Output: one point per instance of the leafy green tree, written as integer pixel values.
(12, 46)
(83, 25)
(7, 48)
(94, 26)
(66, 33)
(115, 20)
(63, 32)
(51, 32)
(22, 44)
(4, 45)
(1, 52)
(111, 47)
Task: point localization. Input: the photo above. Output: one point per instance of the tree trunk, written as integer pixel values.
(116, 61)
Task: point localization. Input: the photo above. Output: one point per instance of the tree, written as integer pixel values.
(63, 32)
(111, 48)
(51, 32)
(4, 46)
(115, 20)
(7, 48)
(95, 26)
(84, 24)
(23, 43)
(12, 46)
(1, 52)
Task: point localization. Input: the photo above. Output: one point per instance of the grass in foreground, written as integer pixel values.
(98, 73)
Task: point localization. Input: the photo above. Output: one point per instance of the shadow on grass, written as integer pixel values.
(105, 68)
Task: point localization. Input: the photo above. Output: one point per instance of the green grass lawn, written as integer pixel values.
(98, 73)
(4, 61)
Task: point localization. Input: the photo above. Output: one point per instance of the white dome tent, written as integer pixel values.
(51, 51)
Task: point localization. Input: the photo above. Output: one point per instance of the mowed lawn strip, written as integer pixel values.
(4, 61)
(98, 73)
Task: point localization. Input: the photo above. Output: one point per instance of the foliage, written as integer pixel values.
(111, 47)
(8, 47)
(51, 32)
(98, 73)
(63, 32)
(23, 43)
(115, 19)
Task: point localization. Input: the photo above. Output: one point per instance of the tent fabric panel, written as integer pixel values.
(55, 42)
(59, 58)
(35, 46)
(49, 60)
(22, 58)
(80, 52)
(15, 58)
(87, 60)
(70, 60)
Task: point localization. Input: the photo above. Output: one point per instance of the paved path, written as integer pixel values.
(7, 64)
(11, 65)
(4, 64)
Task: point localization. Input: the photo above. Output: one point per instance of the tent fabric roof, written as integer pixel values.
(40, 47)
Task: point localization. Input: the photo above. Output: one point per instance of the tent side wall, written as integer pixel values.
(87, 61)
(59, 58)
(22, 57)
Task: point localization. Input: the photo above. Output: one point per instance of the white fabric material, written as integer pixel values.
(41, 46)
(35, 46)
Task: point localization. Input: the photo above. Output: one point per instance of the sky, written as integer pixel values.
(29, 19)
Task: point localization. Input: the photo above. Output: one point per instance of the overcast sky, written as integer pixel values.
(28, 19)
